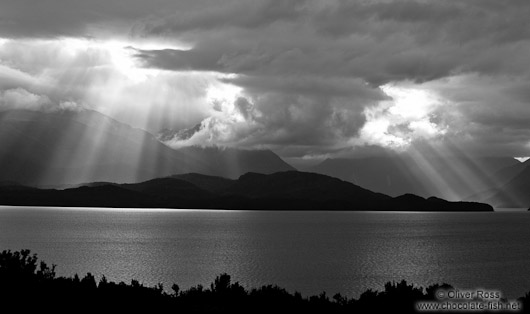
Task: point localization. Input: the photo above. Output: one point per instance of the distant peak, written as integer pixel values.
(521, 159)
(251, 175)
(410, 197)
(436, 199)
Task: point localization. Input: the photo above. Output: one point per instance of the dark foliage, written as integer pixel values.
(27, 284)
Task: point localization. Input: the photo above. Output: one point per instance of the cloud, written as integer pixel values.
(316, 76)
(232, 123)
(241, 14)
(70, 106)
(102, 76)
(20, 98)
(305, 77)
(65, 18)
(488, 114)
(376, 41)
(396, 123)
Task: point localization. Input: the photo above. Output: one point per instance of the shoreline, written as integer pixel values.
(158, 209)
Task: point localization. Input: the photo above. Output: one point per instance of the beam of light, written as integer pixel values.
(107, 150)
(85, 139)
(427, 174)
(28, 140)
(91, 151)
(120, 56)
(84, 74)
(407, 123)
(453, 170)
(455, 174)
(104, 74)
(17, 139)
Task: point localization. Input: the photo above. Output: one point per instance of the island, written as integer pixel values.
(288, 190)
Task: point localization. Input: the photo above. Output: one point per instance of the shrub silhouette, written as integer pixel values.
(26, 282)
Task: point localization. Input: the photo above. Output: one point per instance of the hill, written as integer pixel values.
(289, 190)
(74, 147)
(513, 194)
(453, 178)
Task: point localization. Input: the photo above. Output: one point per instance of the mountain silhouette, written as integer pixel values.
(74, 147)
(300, 185)
(513, 194)
(290, 190)
(209, 183)
(232, 163)
(168, 189)
(454, 178)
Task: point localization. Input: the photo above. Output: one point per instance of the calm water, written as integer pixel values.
(304, 251)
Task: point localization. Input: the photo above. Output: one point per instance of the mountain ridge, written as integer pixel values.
(454, 178)
(290, 190)
(74, 147)
(514, 193)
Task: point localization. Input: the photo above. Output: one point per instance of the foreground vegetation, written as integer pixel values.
(30, 284)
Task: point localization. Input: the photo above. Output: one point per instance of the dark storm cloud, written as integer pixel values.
(379, 42)
(180, 60)
(48, 18)
(451, 20)
(309, 69)
(341, 87)
(53, 18)
(308, 110)
(337, 53)
(79, 18)
(243, 14)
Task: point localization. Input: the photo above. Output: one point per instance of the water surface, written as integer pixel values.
(309, 252)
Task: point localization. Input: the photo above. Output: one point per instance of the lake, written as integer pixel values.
(346, 252)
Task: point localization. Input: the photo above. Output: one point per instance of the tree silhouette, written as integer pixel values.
(24, 281)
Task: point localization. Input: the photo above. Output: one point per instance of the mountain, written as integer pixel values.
(209, 183)
(303, 187)
(508, 173)
(98, 196)
(454, 178)
(168, 189)
(513, 194)
(73, 147)
(388, 175)
(289, 190)
(179, 135)
(300, 185)
(231, 162)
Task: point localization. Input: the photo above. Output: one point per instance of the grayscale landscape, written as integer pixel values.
(260, 156)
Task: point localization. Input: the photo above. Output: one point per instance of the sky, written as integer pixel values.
(308, 79)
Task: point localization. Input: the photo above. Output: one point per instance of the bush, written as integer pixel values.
(34, 286)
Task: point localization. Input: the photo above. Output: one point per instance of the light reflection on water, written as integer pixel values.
(345, 252)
